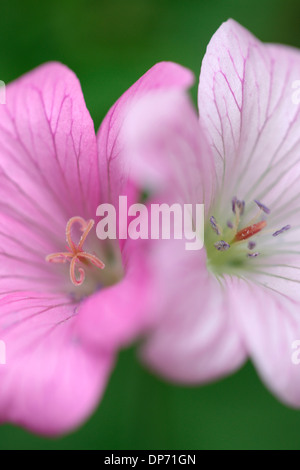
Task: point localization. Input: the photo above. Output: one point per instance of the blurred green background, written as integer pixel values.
(109, 44)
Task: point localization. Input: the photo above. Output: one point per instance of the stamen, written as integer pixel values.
(283, 229)
(251, 245)
(238, 209)
(87, 230)
(262, 207)
(237, 236)
(76, 254)
(238, 205)
(221, 245)
(249, 231)
(253, 255)
(214, 225)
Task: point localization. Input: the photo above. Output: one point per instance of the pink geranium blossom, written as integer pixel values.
(65, 310)
(239, 296)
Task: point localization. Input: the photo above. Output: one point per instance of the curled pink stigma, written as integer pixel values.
(76, 254)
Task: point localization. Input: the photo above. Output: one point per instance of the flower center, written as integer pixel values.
(230, 244)
(75, 254)
(88, 270)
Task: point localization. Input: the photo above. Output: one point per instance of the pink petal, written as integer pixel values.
(50, 382)
(169, 155)
(246, 105)
(168, 149)
(197, 340)
(136, 294)
(269, 325)
(162, 147)
(116, 315)
(114, 167)
(48, 171)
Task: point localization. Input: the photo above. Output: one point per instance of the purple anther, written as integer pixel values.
(233, 202)
(262, 207)
(251, 245)
(236, 203)
(253, 255)
(241, 206)
(229, 224)
(221, 245)
(214, 225)
(283, 229)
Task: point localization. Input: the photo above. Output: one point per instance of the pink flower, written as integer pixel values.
(239, 297)
(63, 314)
